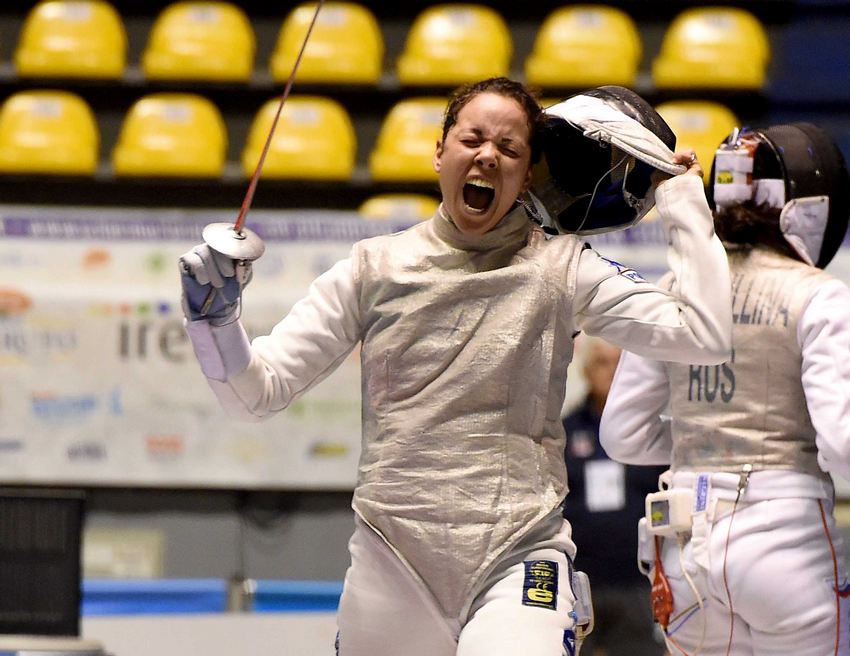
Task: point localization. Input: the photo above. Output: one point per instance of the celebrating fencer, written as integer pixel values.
(750, 559)
(466, 324)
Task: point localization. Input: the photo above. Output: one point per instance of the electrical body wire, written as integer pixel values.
(835, 578)
(672, 642)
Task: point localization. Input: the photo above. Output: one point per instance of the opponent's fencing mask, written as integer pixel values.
(600, 149)
(795, 168)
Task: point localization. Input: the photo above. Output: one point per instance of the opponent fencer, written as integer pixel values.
(466, 324)
(750, 550)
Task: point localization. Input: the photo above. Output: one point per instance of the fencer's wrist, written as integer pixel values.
(679, 183)
(682, 204)
(229, 316)
(191, 313)
(218, 318)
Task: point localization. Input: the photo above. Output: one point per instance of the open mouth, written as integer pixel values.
(478, 194)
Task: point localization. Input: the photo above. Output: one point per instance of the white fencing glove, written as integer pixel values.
(212, 285)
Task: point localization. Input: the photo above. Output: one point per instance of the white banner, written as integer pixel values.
(98, 383)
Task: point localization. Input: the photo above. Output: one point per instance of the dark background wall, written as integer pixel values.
(225, 533)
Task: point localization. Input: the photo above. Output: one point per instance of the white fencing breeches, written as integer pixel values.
(781, 582)
(386, 611)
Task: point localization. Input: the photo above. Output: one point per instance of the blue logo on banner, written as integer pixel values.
(63, 407)
(49, 406)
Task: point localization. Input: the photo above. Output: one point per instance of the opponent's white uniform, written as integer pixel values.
(781, 404)
(459, 546)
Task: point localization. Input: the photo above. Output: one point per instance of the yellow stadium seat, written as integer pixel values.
(171, 135)
(200, 41)
(48, 132)
(699, 125)
(407, 140)
(345, 47)
(713, 47)
(82, 38)
(399, 206)
(314, 140)
(584, 46)
(455, 43)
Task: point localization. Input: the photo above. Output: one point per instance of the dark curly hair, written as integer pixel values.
(501, 86)
(748, 224)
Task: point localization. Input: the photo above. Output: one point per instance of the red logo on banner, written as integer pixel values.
(14, 302)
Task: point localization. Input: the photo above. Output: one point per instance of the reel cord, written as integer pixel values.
(596, 188)
(742, 484)
(835, 578)
(725, 582)
(669, 637)
(700, 603)
(834, 570)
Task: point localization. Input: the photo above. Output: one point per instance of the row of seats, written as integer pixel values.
(184, 135)
(576, 46)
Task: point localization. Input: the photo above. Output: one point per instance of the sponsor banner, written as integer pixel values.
(98, 382)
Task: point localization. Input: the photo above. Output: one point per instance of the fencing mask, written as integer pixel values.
(600, 149)
(795, 168)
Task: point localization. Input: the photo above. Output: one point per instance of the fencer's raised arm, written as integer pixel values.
(254, 381)
(690, 323)
(823, 333)
(632, 429)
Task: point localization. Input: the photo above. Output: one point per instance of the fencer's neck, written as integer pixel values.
(511, 232)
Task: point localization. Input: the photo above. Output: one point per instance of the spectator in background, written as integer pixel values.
(605, 503)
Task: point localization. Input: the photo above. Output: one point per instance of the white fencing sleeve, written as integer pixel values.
(824, 336)
(632, 429)
(692, 322)
(253, 382)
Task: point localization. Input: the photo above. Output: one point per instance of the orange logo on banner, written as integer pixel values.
(165, 445)
(96, 257)
(14, 302)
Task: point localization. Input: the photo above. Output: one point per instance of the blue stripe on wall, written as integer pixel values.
(173, 596)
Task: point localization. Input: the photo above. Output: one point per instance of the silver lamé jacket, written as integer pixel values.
(465, 347)
(466, 343)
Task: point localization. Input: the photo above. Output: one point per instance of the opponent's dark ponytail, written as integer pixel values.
(748, 224)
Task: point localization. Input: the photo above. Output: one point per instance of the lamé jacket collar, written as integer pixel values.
(510, 234)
